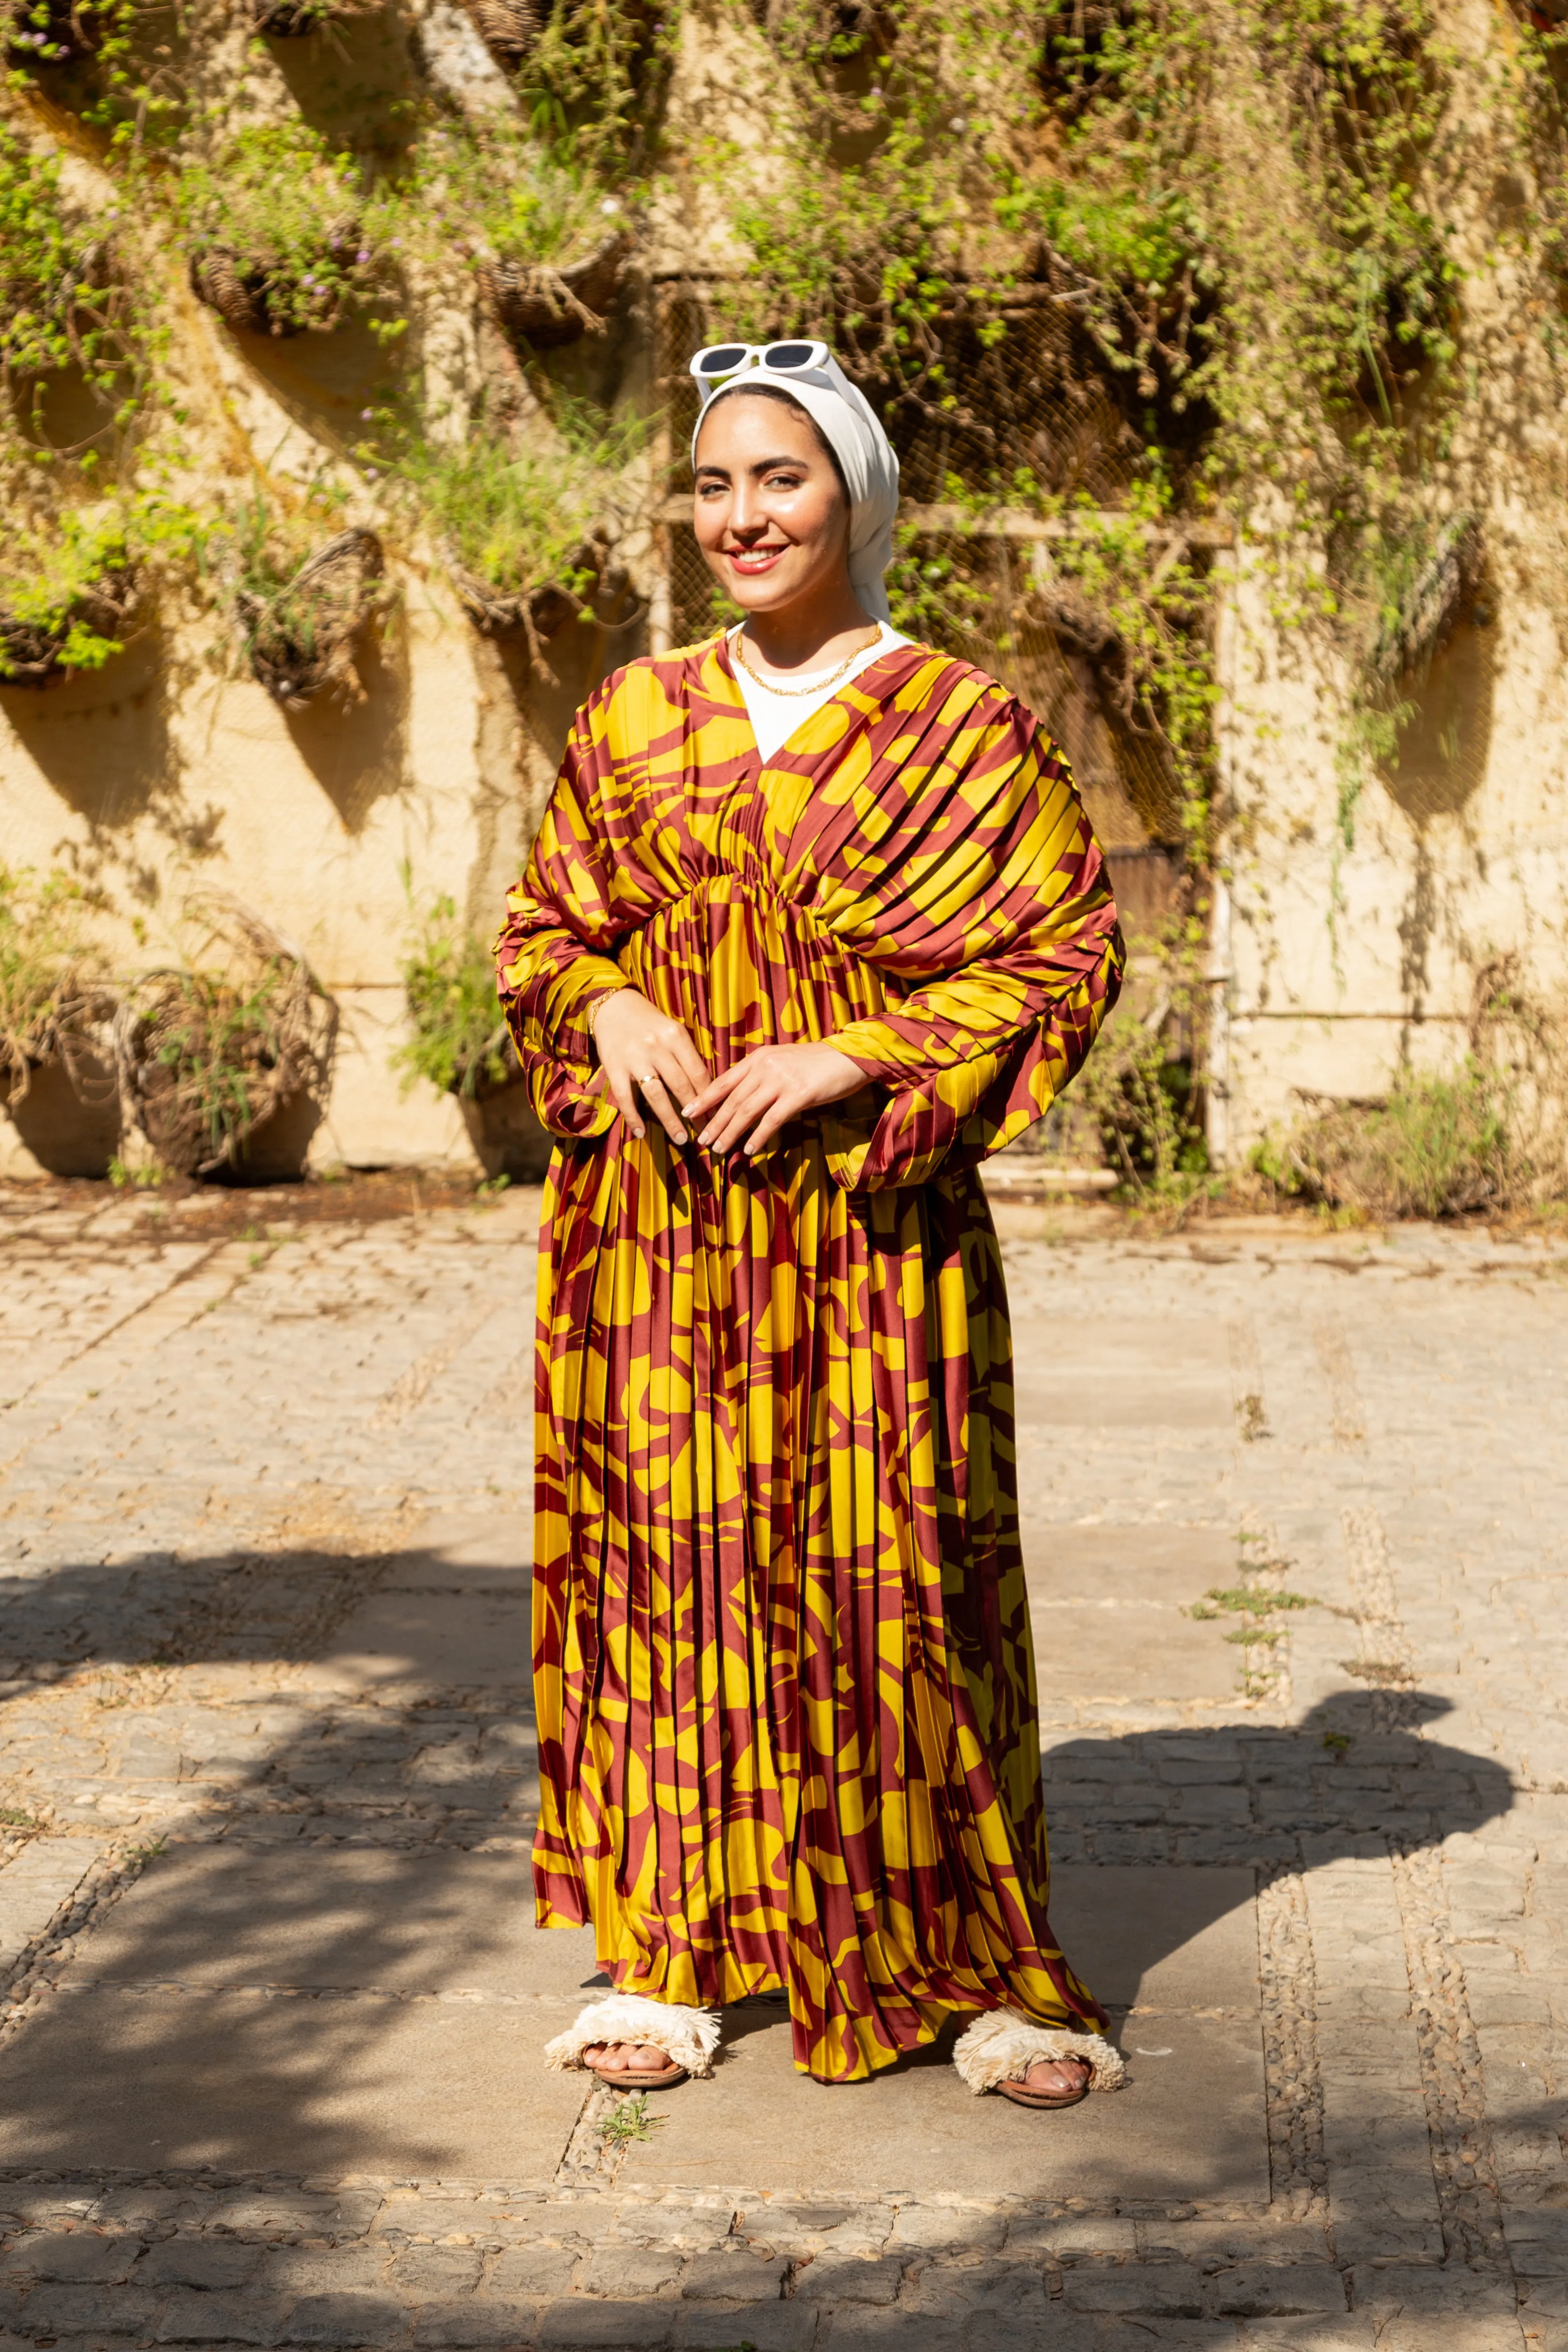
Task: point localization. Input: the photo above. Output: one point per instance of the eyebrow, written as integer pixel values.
(762, 466)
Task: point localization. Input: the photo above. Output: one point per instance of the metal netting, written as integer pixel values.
(1032, 402)
(1022, 391)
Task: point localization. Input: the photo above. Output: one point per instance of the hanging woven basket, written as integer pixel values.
(545, 307)
(300, 640)
(215, 1055)
(253, 296)
(290, 20)
(543, 609)
(509, 30)
(34, 652)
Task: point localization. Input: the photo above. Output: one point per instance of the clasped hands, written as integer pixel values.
(643, 1051)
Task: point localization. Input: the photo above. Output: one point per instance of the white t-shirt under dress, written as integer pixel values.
(776, 717)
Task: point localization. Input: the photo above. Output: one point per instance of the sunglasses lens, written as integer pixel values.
(790, 355)
(722, 360)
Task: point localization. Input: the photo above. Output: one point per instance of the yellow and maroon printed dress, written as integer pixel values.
(782, 1652)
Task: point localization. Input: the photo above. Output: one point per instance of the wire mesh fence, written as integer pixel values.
(1015, 388)
(1010, 416)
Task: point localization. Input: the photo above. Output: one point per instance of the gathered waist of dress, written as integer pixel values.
(726, 889)
(727, 947)
(710, 909)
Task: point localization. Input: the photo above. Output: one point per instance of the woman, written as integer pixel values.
(814, 921)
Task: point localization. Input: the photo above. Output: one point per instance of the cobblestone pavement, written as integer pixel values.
(269, 2047)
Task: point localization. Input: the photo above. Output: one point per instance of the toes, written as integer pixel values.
(1057, 2075)
(623, 2057)
(653, 2061)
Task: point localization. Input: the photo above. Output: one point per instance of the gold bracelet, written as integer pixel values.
(593, 1021)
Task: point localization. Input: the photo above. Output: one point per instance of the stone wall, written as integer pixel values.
(1364, 920)
(1340, 948)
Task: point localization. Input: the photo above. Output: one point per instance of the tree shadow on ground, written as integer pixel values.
(332, 1967)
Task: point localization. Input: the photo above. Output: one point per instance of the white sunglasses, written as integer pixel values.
(720, 360)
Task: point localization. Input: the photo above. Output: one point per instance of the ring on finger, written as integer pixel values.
(652, 1080)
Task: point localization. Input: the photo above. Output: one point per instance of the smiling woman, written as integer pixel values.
(814, 923)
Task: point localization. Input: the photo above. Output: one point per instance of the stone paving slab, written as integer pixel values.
(1120, 1657)
(1198, 2131)
(344, 1919)
(411, 1643)
(1164, 1567)
(1366, 1819)
(459, 1548)
(1109, 1610)
(286, 2081)
(1134, 1371)
(1160, 1937)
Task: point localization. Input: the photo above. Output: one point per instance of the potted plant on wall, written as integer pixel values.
(283, 236)
(225, 1056)
(302, 607)
(530, 530)
(66, 309)
(56, 1073)
(460, 1044)
(66, 597)
(549, 247)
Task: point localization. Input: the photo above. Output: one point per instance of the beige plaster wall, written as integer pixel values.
(161, 774)
(1333, 965)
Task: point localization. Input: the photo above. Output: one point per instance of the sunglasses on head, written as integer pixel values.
(720, 360)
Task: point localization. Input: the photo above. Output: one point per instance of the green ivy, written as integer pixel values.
(593, 85)
(60, 303)
(458, 1041)
(497, 189)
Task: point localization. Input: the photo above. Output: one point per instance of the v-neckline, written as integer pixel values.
(726, 663)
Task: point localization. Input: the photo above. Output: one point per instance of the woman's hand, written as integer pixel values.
(642, 1051)
(762, 1091)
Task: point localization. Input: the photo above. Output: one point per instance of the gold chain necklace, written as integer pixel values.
(818, 686)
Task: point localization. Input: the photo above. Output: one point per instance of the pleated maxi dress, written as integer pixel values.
(783, 1667)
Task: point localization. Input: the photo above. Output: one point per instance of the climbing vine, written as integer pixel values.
(63, 302)
(593, 84)
(1236, 211)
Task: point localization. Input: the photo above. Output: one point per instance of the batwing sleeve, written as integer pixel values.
(1007, 958)
(555, 956)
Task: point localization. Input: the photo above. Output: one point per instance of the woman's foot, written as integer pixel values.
(1062, 2082)
(612, 2058)
(1032, 2063)
(635, 2044)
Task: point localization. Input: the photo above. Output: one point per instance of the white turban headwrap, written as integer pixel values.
(849, 423)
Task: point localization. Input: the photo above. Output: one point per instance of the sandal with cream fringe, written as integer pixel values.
(688, 2037)
(996, 2051)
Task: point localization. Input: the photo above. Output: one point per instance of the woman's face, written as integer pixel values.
(771, 518)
